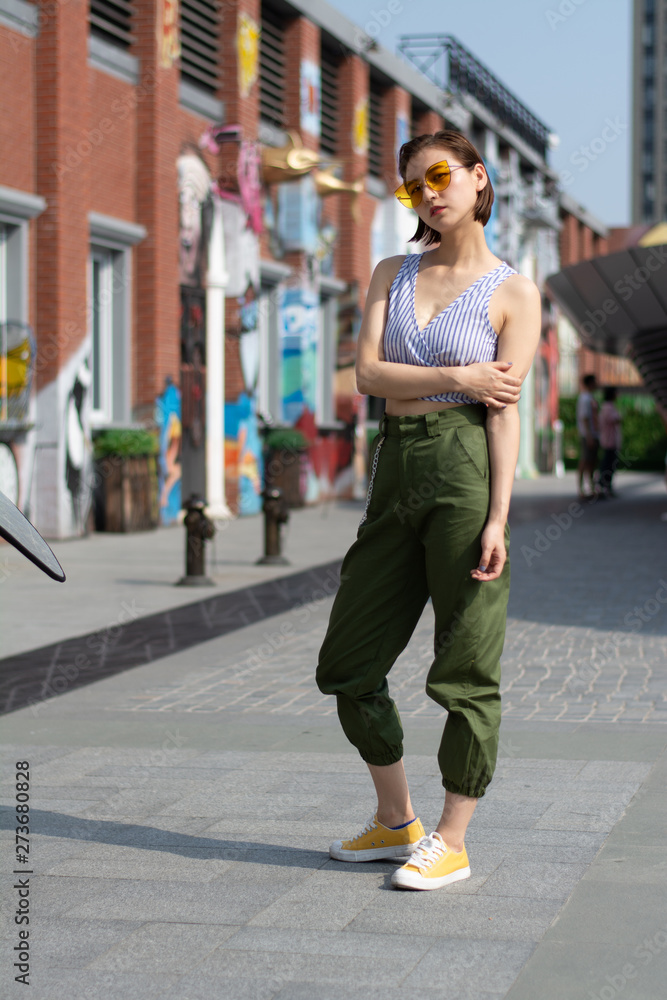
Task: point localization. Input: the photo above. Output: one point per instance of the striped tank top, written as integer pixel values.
(460, 335)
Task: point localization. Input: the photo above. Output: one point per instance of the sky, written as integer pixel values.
(568, 61)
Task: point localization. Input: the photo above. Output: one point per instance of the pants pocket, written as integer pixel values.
(473, 444)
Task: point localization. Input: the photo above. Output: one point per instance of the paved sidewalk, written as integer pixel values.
(181, 810)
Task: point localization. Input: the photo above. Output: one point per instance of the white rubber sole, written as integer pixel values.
(403, 852)
(402, 879)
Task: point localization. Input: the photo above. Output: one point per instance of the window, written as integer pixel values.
(272, 68)
(101, 296)
(200, 43)
(111, 20)
(329, 65)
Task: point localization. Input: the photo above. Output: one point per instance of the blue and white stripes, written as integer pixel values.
(460, 335)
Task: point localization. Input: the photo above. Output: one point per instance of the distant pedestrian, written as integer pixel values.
(610, 440)
(589, 444)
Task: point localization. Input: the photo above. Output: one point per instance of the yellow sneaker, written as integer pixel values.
(377, 841)
(431, 866)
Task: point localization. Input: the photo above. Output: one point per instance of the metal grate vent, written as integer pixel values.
(375, 130)
(112, 21)
(200, 43)
(272, 68)
(329, 66)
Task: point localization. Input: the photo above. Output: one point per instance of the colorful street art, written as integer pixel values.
(168, 419)
(243, 452)
(310, 97)
(298, 338)
(247, 48)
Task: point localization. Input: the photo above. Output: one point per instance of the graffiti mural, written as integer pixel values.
(63, 467)
(298, 341)
(195, 207)
(168, 420)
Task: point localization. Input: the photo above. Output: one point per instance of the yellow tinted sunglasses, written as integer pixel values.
(437, 177)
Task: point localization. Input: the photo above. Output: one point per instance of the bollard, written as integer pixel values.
(275, 515)
(198, 528)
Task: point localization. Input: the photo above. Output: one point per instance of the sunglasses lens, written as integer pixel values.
(438, 176)
(403, 196)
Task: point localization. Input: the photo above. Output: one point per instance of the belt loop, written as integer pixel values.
(382, 426)
(432, 423)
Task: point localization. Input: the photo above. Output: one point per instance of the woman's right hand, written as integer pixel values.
(491, 382)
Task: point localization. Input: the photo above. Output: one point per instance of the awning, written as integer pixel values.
(618, 305)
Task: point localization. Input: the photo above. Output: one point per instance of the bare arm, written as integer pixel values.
(517, 341)
(490, 382)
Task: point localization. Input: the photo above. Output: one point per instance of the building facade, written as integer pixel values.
(649, 112)
(195, 199)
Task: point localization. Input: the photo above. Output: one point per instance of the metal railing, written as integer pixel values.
(451, 67)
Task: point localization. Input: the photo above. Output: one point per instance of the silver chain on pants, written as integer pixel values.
(372, 479)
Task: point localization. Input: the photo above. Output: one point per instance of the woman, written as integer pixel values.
(447, 338)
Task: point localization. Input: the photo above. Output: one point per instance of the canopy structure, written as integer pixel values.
(618, 304)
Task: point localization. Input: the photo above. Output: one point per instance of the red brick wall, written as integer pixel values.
(17, 110)
(353, 245)
(63, 170)
(302, 41)
(113, 125)
(428, 122)
(157, 336)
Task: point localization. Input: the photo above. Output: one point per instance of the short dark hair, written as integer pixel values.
(589, 381)
(469, 156)
(610, 394)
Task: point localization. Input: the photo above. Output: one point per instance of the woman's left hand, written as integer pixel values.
(494, 553)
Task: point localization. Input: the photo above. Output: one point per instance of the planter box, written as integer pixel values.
(285, 470)
(126, 493)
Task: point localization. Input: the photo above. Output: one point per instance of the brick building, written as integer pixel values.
(192, 198)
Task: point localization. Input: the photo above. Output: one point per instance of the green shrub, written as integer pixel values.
(286, 439)
(644, 437)
(128, 442)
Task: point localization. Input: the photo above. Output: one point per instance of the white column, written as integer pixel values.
(215, 368)
(526, 467)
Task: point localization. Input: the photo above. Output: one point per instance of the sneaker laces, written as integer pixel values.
(429, 850)
(370, 825)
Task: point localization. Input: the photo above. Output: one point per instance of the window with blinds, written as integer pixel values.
(272, 67)
(111, 20)
(200, 43)
(329, 68)
(375, 129)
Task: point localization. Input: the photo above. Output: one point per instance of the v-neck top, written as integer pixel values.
(461, 334)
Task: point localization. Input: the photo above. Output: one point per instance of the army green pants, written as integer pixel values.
(419, 537)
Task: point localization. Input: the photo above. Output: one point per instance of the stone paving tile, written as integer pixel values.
(65, 943)
(90, 985)
(181, 902)
(327, 900)
(164, 948)
(304, 991)
(54, 897)
(195, 986)
(467, 968)
(540, 880)
(498, 918)
(108, 861)
(375, 971)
